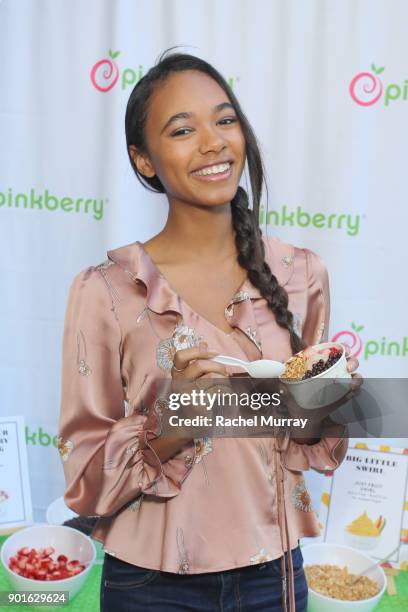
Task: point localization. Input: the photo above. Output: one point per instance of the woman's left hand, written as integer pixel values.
(352, 366)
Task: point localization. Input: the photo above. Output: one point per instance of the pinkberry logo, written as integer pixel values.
(351, 338)
(366, 88)
(105, 73)
(372, 347)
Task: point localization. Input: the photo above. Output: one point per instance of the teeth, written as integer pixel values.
(213, 169)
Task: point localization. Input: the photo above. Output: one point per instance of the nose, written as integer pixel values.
(211, 139)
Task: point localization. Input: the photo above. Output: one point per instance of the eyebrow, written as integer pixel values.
(186, 115)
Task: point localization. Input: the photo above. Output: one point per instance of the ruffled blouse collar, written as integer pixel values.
(161, 297)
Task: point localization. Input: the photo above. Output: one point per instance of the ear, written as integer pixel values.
(142, 162)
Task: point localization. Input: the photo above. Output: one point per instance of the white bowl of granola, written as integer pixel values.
(329, 569)
(317, 376)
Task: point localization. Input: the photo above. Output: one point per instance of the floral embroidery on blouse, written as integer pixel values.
(83, 367)
(252, 334)
(203, 446)
(130, 450)
(238, 297)
(183, 337)
(261, 557)
(64, 448)
(319, 333)
(184, 565)
(137, 503)
(301, 498)
(287, 260)
(160, 405)
(297, 324)
(265, 461)
(165, 354)
(105, 264)
(229, 310)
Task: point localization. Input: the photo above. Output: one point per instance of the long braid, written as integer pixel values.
(251, 257)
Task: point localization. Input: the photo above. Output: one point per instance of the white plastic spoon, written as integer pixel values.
(358, 576)
(261, 368)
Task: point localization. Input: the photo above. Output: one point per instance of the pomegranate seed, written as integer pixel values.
(39, 565)
(40, 574)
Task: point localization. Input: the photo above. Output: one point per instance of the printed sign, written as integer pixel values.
(364, 504)
(15, 494)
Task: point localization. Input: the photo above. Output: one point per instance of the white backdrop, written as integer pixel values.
(324, 84)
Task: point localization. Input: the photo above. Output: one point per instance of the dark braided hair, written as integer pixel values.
(245, 220)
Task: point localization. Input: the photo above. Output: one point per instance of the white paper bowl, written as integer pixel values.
(65, 540)
(355, 561)
(325, 388)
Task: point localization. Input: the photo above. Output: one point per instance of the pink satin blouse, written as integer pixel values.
(216, 504)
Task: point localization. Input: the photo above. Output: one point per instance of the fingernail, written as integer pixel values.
(203, 346)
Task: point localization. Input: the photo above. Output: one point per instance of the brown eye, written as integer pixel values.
(180, 131)
(232, 119)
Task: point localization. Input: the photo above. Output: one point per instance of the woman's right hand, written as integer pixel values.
(189, 366)
(196, 362)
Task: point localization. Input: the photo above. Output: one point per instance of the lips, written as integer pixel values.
(224, 173)
(214, 163)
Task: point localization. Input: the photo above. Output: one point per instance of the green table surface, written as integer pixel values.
(88, 597)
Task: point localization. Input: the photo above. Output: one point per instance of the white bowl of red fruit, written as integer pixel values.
(48, 558)
(317, 376)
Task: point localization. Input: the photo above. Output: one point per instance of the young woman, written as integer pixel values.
(198, 524)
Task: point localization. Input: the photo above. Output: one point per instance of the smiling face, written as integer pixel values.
(191, 128)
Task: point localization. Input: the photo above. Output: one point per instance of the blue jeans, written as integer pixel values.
(130, 588)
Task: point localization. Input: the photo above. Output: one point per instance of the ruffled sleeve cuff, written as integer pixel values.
(128, 448)
(326, 455)
(165, 478)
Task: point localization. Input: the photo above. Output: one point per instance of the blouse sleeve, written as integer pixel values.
(106, 455)
(316, 324)
(329, 452)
